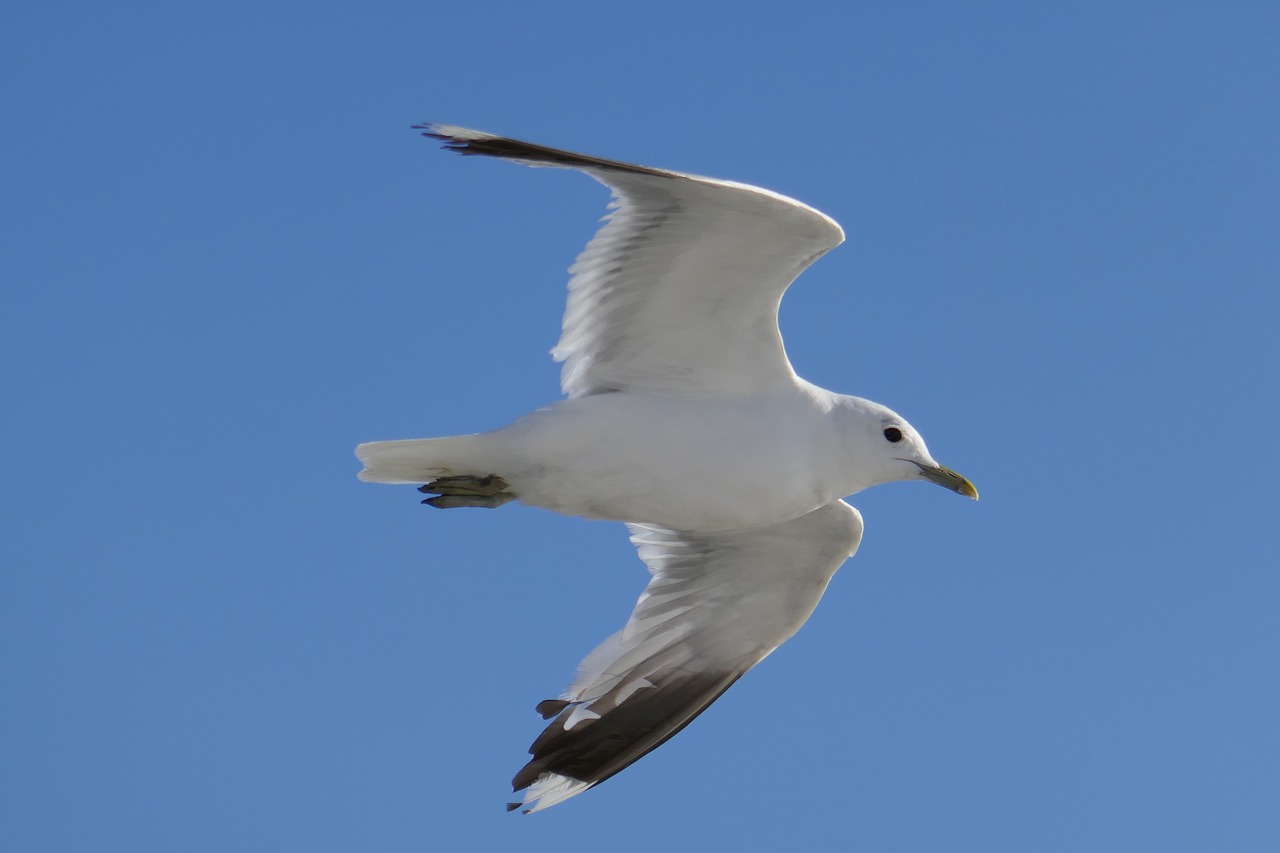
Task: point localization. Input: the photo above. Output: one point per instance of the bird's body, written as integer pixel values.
(684, 419)
(688, 464)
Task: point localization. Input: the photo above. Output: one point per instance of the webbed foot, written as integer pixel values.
(484, 501)
(489, 492)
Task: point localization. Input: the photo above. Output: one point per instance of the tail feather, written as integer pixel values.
(419, 460)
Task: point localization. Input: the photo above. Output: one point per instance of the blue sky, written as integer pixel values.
(227, 260)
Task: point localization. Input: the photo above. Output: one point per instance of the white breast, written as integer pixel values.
(690, 465)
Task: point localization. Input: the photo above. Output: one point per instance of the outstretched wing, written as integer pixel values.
(717, 604)
(678, 292)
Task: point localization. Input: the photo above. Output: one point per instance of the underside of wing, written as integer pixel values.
(678, 292)
(717, 604)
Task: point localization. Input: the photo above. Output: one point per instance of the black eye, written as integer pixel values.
(893, 434)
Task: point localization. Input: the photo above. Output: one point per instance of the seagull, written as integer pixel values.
(683, 418)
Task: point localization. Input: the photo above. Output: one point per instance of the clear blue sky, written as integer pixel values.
(227, 260)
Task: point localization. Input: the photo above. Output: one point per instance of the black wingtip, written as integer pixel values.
(548, 708)
(429, 129)
(598, 748)
(463, 140)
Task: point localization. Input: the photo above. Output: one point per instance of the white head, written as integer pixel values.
(887, 449)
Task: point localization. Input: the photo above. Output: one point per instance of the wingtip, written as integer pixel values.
(455, 138)
(548, 790)
(548, 708)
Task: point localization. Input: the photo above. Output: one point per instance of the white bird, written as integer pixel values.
(684, 419)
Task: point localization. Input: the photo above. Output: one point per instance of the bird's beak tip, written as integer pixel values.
(948, 479)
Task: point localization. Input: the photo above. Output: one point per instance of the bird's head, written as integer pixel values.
(890, 449)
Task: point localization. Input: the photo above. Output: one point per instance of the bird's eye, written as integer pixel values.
(893, 434)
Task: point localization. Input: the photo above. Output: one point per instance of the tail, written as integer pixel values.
(420, 460)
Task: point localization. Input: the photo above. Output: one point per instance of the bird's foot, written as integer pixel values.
(489, 492)
(455, 501)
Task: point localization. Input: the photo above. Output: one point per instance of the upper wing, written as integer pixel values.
(678, 292)
(717, 604)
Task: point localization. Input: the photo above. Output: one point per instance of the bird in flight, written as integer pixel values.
(683, 418)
